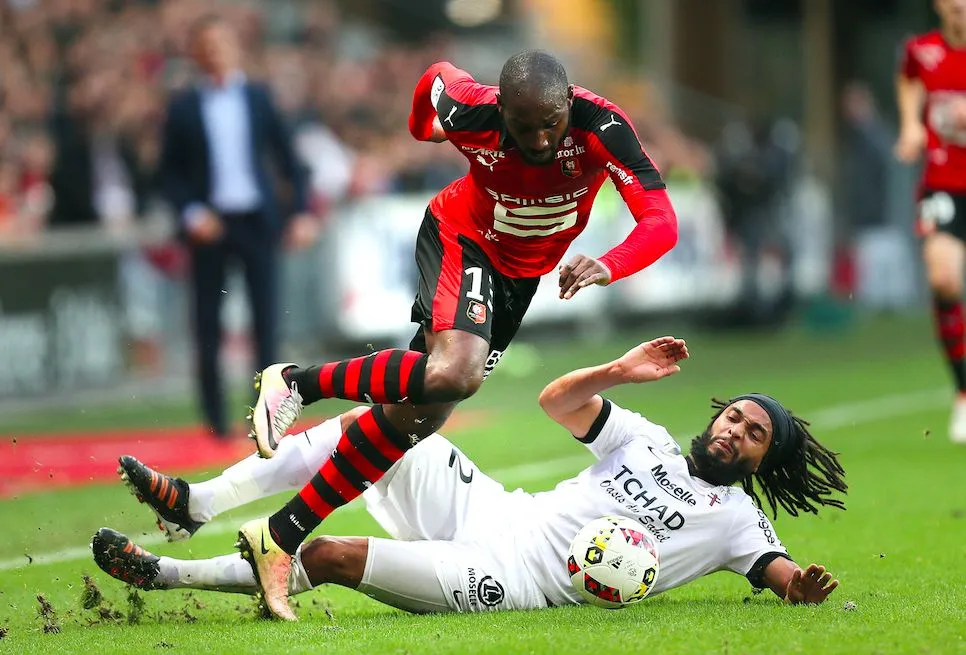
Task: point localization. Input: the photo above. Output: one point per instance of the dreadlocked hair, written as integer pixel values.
(804, 481)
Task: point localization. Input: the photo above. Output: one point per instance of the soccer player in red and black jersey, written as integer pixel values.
(539, 150)
(931, 93)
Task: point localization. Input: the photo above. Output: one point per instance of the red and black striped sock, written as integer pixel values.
(951, 330)
(388, 376)
(367, 449)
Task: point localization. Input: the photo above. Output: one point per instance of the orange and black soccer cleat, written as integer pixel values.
(124, 560)
(166, 495)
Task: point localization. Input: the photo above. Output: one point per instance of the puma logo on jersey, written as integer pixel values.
(613, 121)
(489, 164)
(449, 119)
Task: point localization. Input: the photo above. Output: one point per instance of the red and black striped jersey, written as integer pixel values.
(525, 216)
(942, 70)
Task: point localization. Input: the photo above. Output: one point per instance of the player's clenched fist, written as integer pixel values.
(911, 142)
(580, 272)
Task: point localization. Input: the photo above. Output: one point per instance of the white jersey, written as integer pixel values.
(641, 474)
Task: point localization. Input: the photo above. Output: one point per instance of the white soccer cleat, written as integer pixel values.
(277, 409)
(271, 565)
(957, 424)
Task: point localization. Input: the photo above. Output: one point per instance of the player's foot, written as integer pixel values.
(167, 496)
(271, 566)
(957, 424)
(124, 560)
(278, 406)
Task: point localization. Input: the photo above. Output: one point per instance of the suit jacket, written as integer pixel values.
(184, 168)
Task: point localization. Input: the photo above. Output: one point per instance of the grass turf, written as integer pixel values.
(899, 549)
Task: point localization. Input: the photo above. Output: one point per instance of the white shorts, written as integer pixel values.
(464, 521)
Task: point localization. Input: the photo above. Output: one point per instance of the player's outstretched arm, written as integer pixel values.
(910, 98)
(797, 587)
(572, 400)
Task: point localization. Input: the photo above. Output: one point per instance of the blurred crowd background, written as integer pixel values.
(773, 121)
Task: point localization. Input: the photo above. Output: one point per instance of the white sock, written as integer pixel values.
(298, 579)
(225, 573)
(229, 573)
(297, 459)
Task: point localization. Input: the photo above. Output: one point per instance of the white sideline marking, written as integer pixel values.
(830, 418)
(875, 409)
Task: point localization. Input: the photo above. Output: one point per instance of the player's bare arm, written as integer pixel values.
(910, 97)
(573, 401)
(797, 587)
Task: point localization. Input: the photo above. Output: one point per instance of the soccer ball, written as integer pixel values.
(613, 562)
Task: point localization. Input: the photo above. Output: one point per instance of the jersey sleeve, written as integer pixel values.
(616, 144)
(753, 543)
(461, 103)
(908, 64)
(616, 427)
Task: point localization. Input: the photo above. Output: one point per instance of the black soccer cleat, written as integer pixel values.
(124, 560)
(166, 495)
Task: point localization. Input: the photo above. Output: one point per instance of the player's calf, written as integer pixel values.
(335, 560)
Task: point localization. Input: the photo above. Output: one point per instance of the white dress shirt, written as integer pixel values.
(227, 122)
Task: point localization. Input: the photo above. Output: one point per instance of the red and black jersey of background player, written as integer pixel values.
(942, 71)
(525, 216)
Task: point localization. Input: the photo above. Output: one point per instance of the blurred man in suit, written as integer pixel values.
(216, 138)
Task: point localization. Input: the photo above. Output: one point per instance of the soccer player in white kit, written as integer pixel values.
(462, 543)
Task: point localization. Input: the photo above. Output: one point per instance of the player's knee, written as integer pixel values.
(350, 416)
(452, 383)
(945, 285)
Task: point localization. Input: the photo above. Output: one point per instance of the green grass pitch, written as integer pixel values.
(878, 394)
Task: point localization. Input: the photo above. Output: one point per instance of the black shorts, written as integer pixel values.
(460, 290)
(942, 211)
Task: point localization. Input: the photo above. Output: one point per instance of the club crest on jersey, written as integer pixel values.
(570, 168)
(929, 55)
(476, 312)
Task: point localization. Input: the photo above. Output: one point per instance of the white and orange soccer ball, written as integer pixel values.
(613, 562)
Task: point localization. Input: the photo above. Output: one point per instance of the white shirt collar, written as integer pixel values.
(234, 79)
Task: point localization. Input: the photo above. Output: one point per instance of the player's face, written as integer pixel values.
(216, 50)
(952, 13)
(734, 445)
(537, 127)
(742, 432)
